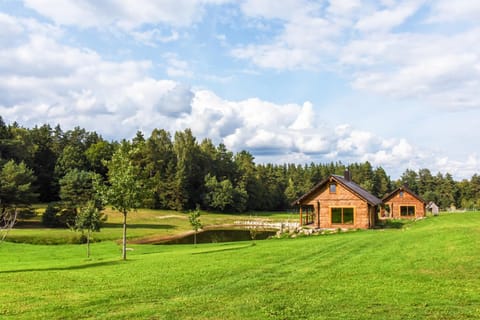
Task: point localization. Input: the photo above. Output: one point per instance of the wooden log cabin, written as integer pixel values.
(338, 202)
(403, 203)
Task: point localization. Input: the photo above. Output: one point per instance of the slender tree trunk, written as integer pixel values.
(88, 244)
(124, 246)
(195, 238)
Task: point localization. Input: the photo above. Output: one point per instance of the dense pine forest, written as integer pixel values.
(182, 173)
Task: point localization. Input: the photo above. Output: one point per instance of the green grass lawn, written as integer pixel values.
(430, 269)
(142, 224)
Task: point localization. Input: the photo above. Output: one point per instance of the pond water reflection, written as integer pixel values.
(222, 235)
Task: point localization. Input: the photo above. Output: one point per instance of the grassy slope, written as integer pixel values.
(429, 270)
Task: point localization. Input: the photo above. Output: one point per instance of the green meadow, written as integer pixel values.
(143, 225)
(429, 269)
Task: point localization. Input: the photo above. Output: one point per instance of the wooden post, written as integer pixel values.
(318, 214)
(301, 217)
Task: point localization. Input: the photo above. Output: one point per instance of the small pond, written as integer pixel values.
(222, 235)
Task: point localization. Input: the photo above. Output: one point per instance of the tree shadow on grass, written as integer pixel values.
(29, 224)
(66, 268)
(225, 249)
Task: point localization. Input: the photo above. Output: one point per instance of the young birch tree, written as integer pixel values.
(194, 219)
(89, 218)
(125, 189)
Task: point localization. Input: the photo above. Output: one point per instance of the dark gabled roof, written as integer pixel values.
(370, 198)
(406, 189)
(348, 184)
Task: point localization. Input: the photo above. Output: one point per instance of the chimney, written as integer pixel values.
(347, 175)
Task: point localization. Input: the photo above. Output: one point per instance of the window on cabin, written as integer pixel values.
(342, 215)
(333, 188)
(407, 211)
(401, 194)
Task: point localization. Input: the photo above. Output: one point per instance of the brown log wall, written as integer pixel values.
(342, 198)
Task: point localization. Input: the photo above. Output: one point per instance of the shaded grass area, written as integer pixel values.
(427, 270)
(143, 223)
(394, 223)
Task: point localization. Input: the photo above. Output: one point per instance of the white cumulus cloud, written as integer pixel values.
(42, 80)
(370, 44)
(124, 14)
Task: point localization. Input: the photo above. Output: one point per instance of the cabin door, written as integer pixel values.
(318, 214)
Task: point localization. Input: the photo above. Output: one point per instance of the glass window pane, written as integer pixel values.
(407, 210)
(333, 188)
(348, 215)
(411, 211)
(336, 215)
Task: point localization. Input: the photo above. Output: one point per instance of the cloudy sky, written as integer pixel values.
(396, 83)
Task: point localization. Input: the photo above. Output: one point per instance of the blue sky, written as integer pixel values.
(392, 82)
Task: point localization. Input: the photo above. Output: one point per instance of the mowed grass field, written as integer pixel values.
(430, 269)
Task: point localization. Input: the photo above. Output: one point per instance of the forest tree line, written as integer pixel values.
(182, 173)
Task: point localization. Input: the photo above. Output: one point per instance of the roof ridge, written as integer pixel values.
(349, 184)
(404, 188)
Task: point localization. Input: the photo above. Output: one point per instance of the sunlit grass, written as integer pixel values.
(427, 270)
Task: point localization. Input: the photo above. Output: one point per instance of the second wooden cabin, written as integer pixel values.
(403, 203)
(338, 202)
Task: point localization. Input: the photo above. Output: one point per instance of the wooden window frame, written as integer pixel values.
(401, 194)
(342, 215)
(408, 215)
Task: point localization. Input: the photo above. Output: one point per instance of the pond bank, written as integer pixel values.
(212, 234)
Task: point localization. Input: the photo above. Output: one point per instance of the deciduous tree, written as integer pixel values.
(89, 219)
(15, 192)
(194, 219)
(124, 191)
